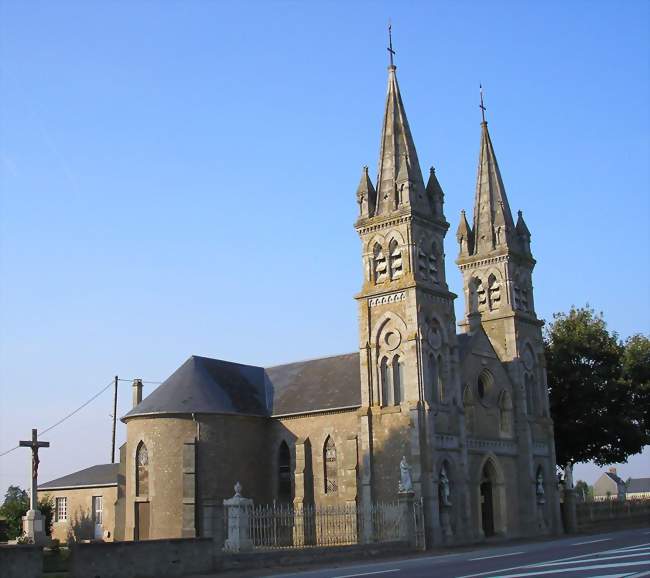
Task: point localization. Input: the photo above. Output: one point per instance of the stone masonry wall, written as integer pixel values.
(80, 522)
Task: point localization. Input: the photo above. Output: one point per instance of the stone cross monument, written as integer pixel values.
(33, 521)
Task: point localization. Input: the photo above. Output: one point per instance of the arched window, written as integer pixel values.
(142, 470)
(422, 262)
(284, 474)
(398, 380)
(386, 375)
(433, 263)
(330, 466)
(479, 298)
(494, 292)
(433, 376)
(529, 383)
(468, 407)
(378, 264)
(395, 256)
(484, 383)
(441, 380)
(505, 413)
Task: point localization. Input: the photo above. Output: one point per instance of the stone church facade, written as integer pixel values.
(470, 407)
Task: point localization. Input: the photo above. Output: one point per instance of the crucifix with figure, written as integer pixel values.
(33, 523)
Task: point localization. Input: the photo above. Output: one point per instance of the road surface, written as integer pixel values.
(611, 555)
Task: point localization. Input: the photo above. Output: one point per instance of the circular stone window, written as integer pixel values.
(484, 383)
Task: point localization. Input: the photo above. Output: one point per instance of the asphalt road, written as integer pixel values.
(611, 555)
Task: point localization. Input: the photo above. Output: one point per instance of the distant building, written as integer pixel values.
(609, 487)
(638, 489)
(84, 503)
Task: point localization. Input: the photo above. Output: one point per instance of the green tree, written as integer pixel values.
(594, 393)
(636, 373)
(584, 491)
(15, 506)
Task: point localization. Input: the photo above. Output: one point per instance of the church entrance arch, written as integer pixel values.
(492, 515)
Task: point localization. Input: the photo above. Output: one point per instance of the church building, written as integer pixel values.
(469, 411)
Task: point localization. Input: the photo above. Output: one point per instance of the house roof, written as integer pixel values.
(100, 475)
(637, 485)
(615, 478)
(205, 385)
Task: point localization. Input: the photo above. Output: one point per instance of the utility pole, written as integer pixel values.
(114, 419)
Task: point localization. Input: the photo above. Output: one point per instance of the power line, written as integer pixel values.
(67, 416)
(142, 380)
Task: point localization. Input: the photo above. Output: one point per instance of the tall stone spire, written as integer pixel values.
(494, 227)
(400, 182)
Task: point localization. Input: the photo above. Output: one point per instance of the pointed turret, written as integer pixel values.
(522, 232)
(435, 195)
(464, 235)
(366, 195)
(493, 224)
(400, 180)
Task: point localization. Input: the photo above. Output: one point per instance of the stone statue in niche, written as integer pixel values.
(405, 478)
(445, 490)
(539, 488)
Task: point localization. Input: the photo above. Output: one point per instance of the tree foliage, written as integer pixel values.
(15, 506)
(598, 389)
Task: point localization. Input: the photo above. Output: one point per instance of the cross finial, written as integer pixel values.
(482, 106)
(391, 52)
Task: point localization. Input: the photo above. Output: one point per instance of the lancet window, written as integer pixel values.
(284, 474)
(494, 292)
(505, 414)
(330, 466)
(379, 264)
(142, 470)
(433, 264)
(395, 255)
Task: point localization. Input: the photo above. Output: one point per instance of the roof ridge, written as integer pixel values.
(311, 359)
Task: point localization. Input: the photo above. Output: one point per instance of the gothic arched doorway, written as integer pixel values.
(488, 494)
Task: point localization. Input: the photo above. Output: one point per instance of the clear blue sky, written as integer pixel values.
(179, 178)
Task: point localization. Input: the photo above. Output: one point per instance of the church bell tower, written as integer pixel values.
(408, 354)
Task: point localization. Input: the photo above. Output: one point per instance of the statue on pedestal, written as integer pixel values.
(405, 478)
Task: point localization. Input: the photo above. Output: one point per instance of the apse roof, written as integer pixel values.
(206, 385)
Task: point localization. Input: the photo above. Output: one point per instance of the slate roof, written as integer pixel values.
(100, 475)
(205, 385)
(638, 485)
(324, 383)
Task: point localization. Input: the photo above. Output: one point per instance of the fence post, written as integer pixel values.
(238, 512)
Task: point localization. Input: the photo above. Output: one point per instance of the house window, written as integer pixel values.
(61, 509)
(142, 471)
(98, 509)
(331, 470)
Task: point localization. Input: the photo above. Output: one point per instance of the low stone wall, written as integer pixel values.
(612, 514)
(21, 561)
(149, 558)
(307, 555)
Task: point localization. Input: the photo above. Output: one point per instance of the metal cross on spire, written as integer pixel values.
(482, 106)
(391, 52)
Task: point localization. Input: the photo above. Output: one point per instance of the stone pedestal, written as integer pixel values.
(238, 512)
(445, 520)
(34, 527)
(405, 500)
(570, 515)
